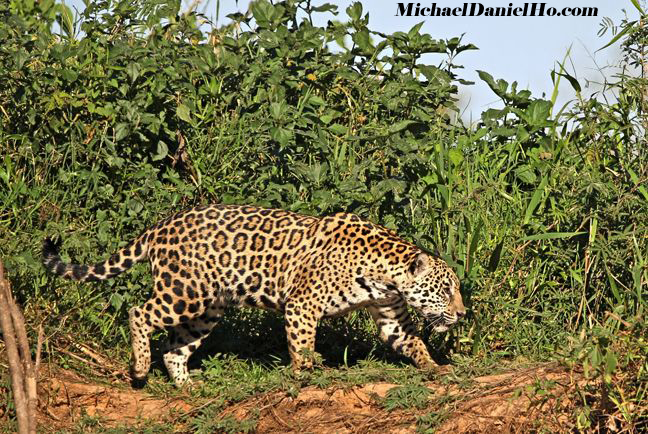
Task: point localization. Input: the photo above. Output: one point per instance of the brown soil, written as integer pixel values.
(494, 403)
(65, 398)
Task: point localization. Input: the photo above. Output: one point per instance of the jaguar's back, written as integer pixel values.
(227, 254)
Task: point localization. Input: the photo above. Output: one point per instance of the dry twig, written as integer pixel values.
(21, 367)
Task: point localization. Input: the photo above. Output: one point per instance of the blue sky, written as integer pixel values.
(522, 49)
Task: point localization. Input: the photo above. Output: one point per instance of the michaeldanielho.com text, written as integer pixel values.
(479, 10)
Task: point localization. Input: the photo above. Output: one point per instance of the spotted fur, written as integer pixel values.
(207, 258)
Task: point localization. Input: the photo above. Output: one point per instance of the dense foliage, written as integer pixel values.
(110, 122)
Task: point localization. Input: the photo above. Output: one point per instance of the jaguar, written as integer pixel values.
(206, 258)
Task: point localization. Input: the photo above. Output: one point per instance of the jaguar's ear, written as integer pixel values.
(419, 264)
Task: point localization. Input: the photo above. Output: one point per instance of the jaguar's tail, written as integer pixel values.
(116, 264)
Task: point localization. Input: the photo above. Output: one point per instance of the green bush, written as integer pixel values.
(142, 112)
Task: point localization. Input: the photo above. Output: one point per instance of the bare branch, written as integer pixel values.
(15, 367)
(21, 366)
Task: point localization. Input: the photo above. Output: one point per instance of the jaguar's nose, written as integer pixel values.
(461, 314)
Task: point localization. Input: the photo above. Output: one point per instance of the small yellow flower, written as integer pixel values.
(311, 77)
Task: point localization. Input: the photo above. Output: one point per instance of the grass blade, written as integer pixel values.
(535, 199)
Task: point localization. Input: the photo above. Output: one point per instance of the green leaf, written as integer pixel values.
(456, 156)
(592, 229)
(161, 152)
(315, 173)
(261, 11)
(363, 40)
(116, 300)
(430, 179)
(613, 286)
(628, 27)
(326, 119)
(504, 132)
(415, 30)
(522, 134)
(5, 174)
(535, 199)
(494, 260)
(400, 126)
(434, 74)
(65, 19)
(19, 58)
(386, 185)
(281, 135)
(525, 173)
(316, 100)
(636, 5)
(474, 241)
(122, 129)
(354, 11)
(572, 80)
(498, 87)
(269, 39)
(338, 129)
(69, 74)
(349, 185)
(133, 71)
(278, 110)
(635, 179)
(183, 113)
(538, 112)
(610, 365)
(326, 7)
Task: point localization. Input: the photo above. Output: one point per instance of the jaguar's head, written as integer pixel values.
(432, 288)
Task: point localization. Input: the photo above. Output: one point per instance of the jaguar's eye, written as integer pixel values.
(448, 289)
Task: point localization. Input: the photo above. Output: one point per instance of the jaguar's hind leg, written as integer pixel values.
(142, 321)
(184, 339)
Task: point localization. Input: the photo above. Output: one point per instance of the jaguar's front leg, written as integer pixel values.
(398, 331)
(301, 325)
